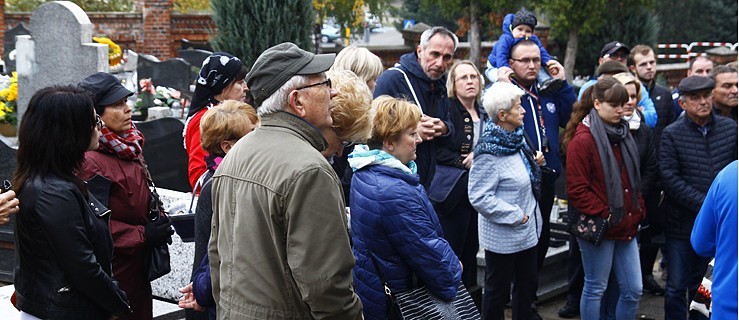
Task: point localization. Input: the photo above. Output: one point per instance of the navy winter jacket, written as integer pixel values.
(688, 163)
(431, 95)
(556, 112)
(392, 217)
(502, 48)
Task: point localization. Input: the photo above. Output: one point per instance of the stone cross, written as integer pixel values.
(58, 51)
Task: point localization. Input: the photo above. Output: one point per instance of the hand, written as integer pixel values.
(556, 70)
(539, 158)
(525, 219)
(158, 232)
(187, 301)
(429, 128)
(504, 74)
(467, 162)
(8, 206)
(439, 127)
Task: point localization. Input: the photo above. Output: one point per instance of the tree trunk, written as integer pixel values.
(474, 33)
(571, 54)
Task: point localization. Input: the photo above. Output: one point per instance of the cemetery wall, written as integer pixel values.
(127, 30)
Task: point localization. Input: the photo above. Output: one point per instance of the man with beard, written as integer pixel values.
(420, 77)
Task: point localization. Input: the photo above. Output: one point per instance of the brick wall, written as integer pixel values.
(127, 29)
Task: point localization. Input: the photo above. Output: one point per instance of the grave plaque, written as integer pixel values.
(173, 73)
(165, 154)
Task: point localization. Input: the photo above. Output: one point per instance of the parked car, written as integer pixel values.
(373, 22)
(329, 33)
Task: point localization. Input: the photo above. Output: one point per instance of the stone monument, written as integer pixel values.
(58, 51)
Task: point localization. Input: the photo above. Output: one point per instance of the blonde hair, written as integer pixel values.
(392, 117)
(451, 90)
(361, 61)
(229, 120)
(626, 78)
(352, 106)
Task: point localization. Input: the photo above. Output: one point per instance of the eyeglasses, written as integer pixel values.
(327, 82)
(98, 121)
(468, 77)
(528, 60)
(347, 144)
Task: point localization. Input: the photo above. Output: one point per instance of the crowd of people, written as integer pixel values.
(326, 182)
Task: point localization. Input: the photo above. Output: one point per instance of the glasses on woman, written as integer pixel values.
(327, 82)
(98, 121)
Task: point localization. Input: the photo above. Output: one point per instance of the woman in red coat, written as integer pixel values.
(603, 179)
(116, 175)
(221, 78)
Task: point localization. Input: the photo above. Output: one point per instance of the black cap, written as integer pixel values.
(611, 67)
(611, 48)
(276, 65)
(524, 16)
(694, 84)
(106, 88)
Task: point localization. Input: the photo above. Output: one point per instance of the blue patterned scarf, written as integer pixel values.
(499, 142)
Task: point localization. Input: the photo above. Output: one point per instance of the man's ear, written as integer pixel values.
(419, 50)
(296, 104)
(632, 68)
(681, 102)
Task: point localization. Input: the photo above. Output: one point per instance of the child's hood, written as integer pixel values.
(507, 23)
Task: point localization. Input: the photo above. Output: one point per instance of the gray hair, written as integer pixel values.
(500, 97)
(278, 100)
(426, 36)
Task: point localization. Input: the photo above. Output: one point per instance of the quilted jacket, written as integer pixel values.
(393, 218)
(688, 162)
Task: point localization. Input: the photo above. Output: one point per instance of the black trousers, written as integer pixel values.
(500, 271)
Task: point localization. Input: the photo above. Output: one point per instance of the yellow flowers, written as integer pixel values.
(114, 51)
(9, 99)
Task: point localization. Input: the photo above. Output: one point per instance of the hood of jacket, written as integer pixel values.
(409, 61)
(507, 24)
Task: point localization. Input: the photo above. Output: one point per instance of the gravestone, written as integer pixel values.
(9, 45)
(173, 73)
(164, 153)
(58, 51)
(195, 58)
(187, 44)
(7, 239)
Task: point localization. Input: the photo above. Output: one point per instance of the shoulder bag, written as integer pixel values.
(587, 227)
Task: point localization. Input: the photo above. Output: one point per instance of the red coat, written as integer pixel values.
(195, 153)
(586, 187)
(128, 201)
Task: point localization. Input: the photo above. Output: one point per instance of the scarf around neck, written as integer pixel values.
(634, 120)
(125, 146)
(604, 136)
(362, 157)
(499, 142)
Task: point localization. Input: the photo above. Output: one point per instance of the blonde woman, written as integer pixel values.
(365, 64)
(393, 220)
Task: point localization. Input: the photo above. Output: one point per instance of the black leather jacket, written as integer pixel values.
(63, 254)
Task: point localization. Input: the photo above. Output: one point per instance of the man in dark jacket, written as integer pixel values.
(725, 92)
(544, 115)
(692, 151)
(420, 77)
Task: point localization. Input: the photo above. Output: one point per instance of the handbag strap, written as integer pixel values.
(408, 81)
(156, 203)
(389, 298)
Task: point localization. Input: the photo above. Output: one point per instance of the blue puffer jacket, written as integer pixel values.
(393, 218)
(688, 162)
(502, 48)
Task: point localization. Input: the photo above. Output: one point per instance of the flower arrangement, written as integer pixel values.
(157, 96)
(9, 99)
(115, 55)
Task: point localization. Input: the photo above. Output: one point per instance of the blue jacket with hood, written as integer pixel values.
(434, 103)
(392, 217)
(502, 49)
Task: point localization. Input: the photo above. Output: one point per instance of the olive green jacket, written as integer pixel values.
(279, 245)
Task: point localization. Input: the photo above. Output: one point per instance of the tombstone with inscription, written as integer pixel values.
(9, 45)
(58, 51)
(173, 73)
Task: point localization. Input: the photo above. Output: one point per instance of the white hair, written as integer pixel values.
(278, 100)
(426, 36)
(500, 97)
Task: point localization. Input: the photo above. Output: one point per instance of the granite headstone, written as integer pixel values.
(164, 153)
(58, 51)
(9, 45)
(174, 73)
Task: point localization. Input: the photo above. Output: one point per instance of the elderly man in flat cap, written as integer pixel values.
(279, 247)
(692, 151)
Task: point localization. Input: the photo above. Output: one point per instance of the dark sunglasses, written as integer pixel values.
(327, 82)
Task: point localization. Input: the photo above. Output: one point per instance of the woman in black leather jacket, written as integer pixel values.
(63, 245)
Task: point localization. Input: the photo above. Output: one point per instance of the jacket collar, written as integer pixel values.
(410, 62)
(412, 179)
(307, 131)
